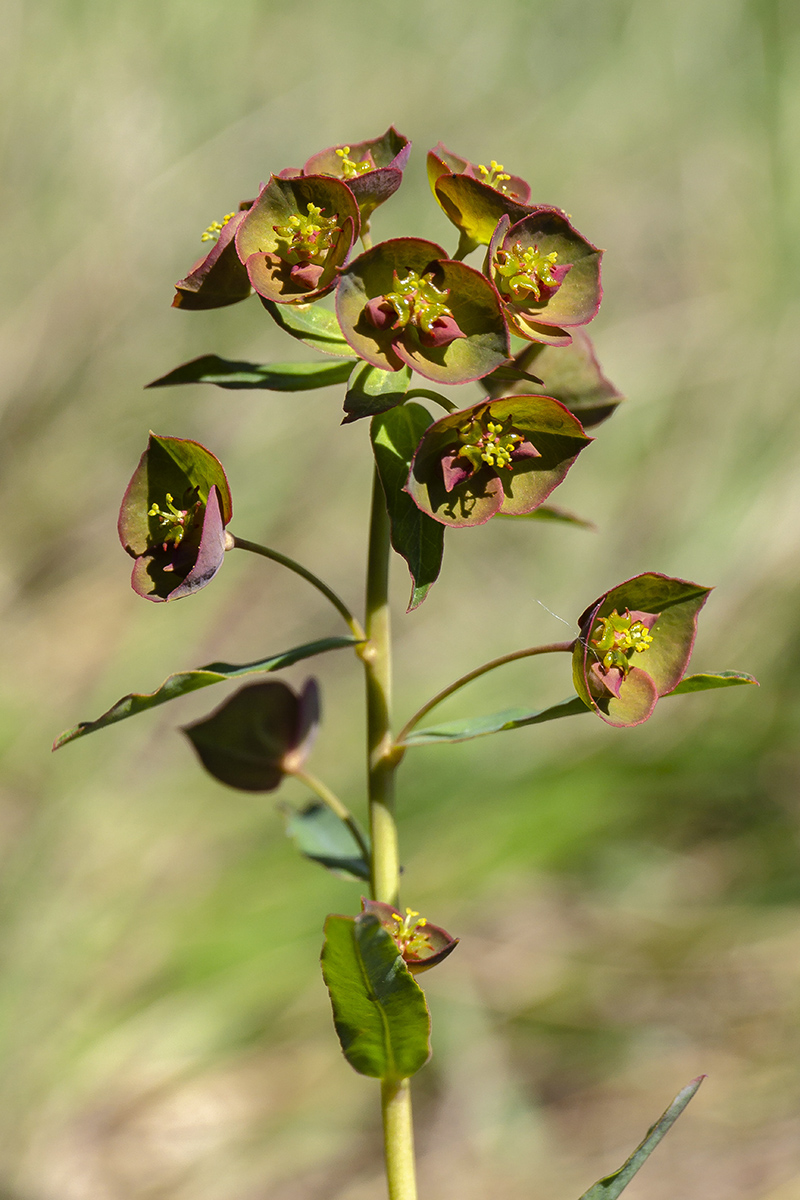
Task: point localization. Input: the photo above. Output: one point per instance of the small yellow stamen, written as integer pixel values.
(215, 228)
(350, 168)
(494, 175)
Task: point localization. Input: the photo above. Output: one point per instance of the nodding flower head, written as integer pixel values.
(173, 518)
(420, 944)
(547, 274)
(296, 236)
(634, 645)
(499, 456)
(404, 303)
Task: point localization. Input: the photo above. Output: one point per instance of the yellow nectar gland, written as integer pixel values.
(617, 639)
(417, 300)
(173, 522)
(309, 237)
(215, 228)
(494, 175)
(349, 168)
(410, 939)
(522, 272)
(493, 446)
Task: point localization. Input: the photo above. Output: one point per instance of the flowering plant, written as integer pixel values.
(511, 323)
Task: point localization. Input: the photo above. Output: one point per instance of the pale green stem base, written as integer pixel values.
(398, 1138)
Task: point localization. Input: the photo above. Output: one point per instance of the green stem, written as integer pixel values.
(398, 1139)
(550, 648)
(385, 864)
(366, 240)
(335, 805)
(398, 1131)
(428, 394)
(336, 601)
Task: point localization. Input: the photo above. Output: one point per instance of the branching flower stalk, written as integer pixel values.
(400, 308)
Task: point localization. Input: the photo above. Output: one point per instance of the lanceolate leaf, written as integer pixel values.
(184, 682)
(550, 512)
(378, 1010)
(613, 1185)
(415, 536)
(702, 683)
(325, 839)
(515, 718)
(510, 718)
(275, 377)
(317, 327)
(373, 391)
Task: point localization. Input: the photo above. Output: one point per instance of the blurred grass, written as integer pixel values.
(628, 903)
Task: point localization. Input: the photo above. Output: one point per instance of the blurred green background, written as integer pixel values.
(628, 901)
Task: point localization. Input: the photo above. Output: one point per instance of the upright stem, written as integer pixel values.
(398, 1132)
(377, 657)
(398, 1138)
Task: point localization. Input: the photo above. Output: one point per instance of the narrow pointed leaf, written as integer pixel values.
(184, 682)
(372, 391)
(275, 377)
(415, 536)
(550, 512)
(613, 1185)
(378, 1010)
(325, 839)
(474, 727)
(712, 679)
(316, 327)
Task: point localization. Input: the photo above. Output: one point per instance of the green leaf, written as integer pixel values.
(550, 512)
(316, 327)
(275, 377)
(378, 1010)
(415, 536)
(324, 838)
(612, 1185)
(509, 718)
(515, 718)
(373, 391)
(712, 679)
(184, 682)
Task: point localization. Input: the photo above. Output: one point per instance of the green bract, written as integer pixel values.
(404, 303)
(571, 374)
(261, 733)
(373, 169)
(499, 456)
(634, 645)
(173, 518)
(547, 275)
(474, 196)
(218, 278)
(295, 237)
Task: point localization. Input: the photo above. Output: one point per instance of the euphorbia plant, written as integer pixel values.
(510, 323)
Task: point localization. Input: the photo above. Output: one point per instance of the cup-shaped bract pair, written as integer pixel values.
(547, 275)
(218, 278)
(173, 518)
(404, 303)
(296, 236)
(634, 645)
(258, 735)
(499, 456)
(373, 169)
(421, 945)
(474, 196)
